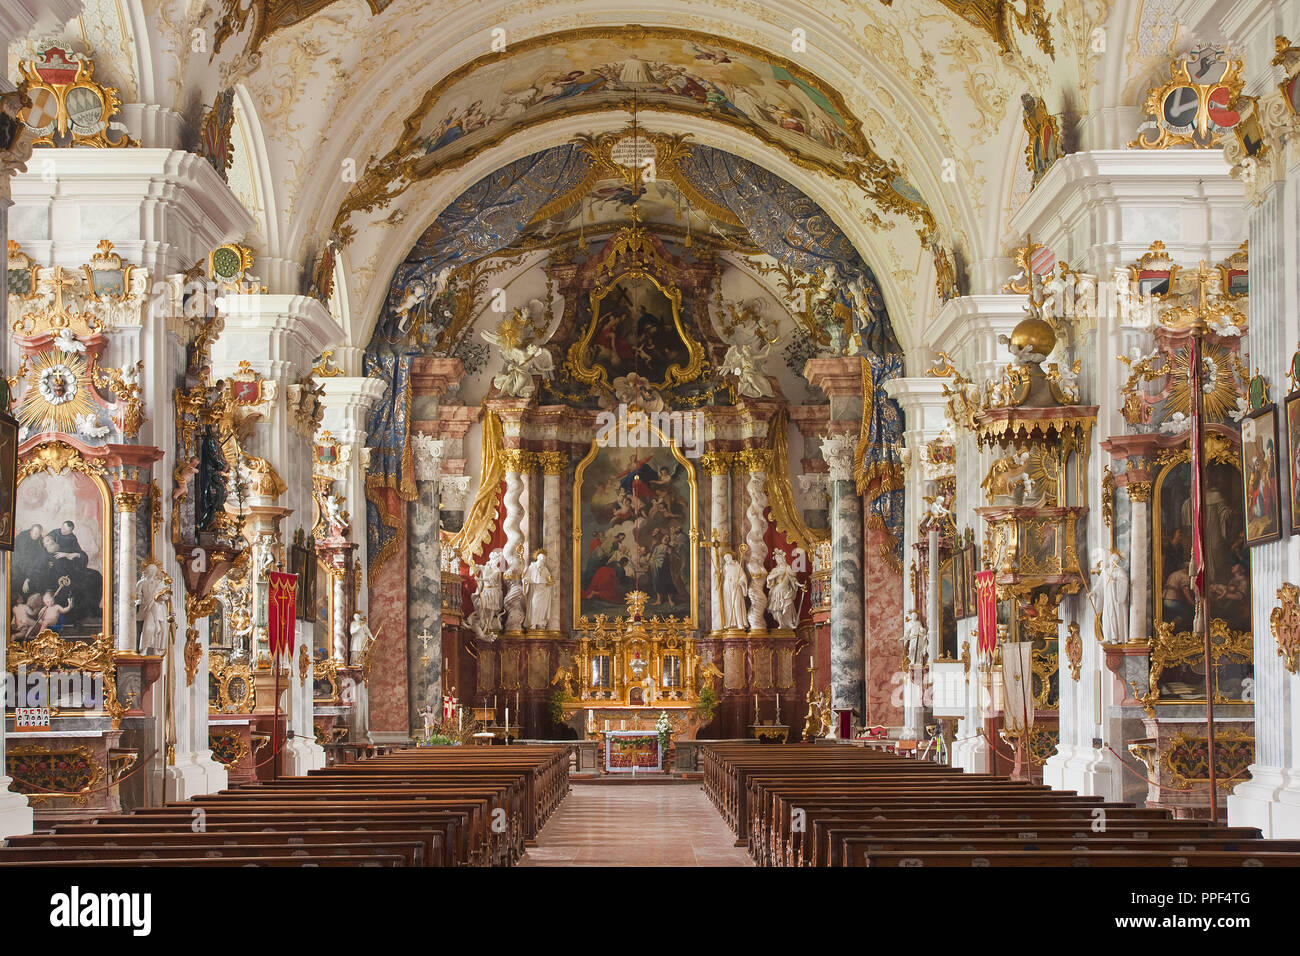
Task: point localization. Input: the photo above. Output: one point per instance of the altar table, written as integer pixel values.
(627, 751)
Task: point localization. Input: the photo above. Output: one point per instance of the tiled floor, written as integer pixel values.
(641, 824)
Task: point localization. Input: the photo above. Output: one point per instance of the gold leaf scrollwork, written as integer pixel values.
(1284, 622)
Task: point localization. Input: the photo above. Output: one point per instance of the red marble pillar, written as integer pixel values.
(388, 697)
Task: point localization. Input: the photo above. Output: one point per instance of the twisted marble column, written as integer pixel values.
(512, 526)
(847, 651)
(755, 541)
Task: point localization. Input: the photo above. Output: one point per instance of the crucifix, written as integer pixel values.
(424, 640)
(714, 545)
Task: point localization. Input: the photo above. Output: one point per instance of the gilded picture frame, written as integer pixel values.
(1292, 419)
(587, 371)
(58, 460)
(693, 534)
(8, 479)
(1261, 475)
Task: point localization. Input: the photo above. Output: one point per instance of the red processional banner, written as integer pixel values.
(986, 596)
(282, 605)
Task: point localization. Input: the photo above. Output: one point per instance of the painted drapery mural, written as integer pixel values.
(493, 213)
(485, 218)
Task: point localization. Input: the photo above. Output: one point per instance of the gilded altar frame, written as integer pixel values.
(1168, 648)
(58, 458)
(693, 535)
(597, 375)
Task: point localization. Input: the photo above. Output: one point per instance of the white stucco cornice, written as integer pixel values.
(160, 207)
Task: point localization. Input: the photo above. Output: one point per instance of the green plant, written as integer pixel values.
(555, 706)
(707, 703)
(665, 730)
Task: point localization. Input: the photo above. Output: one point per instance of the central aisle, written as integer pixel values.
(635, 824)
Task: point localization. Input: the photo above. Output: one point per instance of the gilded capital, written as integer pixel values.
(753, 459)
(516, 460)
(128, 501)
(552, 462)
(1138, 491)
(716, 462)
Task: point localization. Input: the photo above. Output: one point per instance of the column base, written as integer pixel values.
(193, 774)
(15, 815)
(1269, 800)
(1089, 771)
(970, 753)
(300, 756)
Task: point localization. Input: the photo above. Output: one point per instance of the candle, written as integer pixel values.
(507, 725)
(778, 708)
(460, 720)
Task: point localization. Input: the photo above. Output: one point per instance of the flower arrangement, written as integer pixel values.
(665, 730)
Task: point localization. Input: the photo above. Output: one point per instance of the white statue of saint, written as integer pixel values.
(914, 639)
(152, 596)
(360, 636)
(783, 587)
(744, 362)
(735, 587)
(538, 585)
(1113, 592)
(488, 598)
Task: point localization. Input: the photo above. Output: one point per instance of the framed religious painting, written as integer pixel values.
(60, 571)
(1293, 462)
(8, 479)
(634, 512)
(1261, 476)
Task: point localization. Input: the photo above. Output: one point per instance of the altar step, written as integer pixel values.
(648, 777)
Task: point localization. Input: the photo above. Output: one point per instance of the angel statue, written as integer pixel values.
(744, 363)
(564, 677)
(336, 519)
(518, 362)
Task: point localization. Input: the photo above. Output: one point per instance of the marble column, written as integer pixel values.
(424, 582)
(553, 464)
(512, 525)
(847, 648)
(127, 571)
(755, 462)
(1139, 556)
(717, 465)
